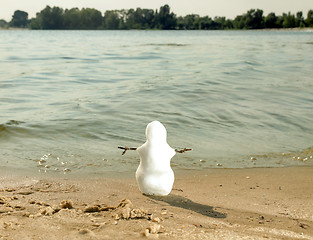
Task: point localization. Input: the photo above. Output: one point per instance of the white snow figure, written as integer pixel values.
(154, 174)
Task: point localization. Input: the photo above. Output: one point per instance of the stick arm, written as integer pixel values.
(130, 148)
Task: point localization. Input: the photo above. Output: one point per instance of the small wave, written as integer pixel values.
(303, 157)
(166, 44)
(11, 128)
(120, 137)
(68, 58)
(30, 58)
(14, 122)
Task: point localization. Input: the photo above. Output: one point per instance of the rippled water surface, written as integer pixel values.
(237, 98)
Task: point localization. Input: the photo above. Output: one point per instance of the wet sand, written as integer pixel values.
(265, 203)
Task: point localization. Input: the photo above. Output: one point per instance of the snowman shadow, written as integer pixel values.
(185, 203)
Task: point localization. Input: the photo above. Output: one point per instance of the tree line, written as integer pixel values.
(163, 18)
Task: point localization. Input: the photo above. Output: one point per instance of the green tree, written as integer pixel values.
(279, 22)
(299, 21)
(56, 18)
(180, 23)
(3, 24)
(195, 22)
(139, 19)
(35, 23)
(122, 16)
(129, 19)
(165, 19)
(207, 23)
(229, 24)
(271, 21)
(289, 20)
(309, 19)
(72, 19)
(49, 18)
(239, 22)
(220, 22)
(191, 22)
(90, 18)
(19, 19)
(111, 20)
(149, 17)
(254, 19)
(144, 18)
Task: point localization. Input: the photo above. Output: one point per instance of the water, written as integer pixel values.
(69, 98)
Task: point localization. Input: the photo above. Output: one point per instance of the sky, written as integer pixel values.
(211, 8)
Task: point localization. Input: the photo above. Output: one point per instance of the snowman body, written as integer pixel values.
(154, 174)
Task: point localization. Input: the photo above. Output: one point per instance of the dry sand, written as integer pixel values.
(268, 203)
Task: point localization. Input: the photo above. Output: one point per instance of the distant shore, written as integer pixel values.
(273, 203)
(308, 29)
(14, 29)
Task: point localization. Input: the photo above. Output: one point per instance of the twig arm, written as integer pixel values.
(126, 148)
(176, 150)
(183, 150)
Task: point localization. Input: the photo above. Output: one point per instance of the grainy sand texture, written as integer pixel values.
(267, 203)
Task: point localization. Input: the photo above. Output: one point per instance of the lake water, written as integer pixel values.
(239, 99)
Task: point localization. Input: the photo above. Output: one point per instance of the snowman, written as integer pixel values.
(154, 174)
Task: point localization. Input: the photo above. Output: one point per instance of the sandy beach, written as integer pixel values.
(260, 203)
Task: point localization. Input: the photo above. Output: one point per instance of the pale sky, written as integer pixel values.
(211, 8)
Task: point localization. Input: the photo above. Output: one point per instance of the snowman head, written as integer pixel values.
(156, 132)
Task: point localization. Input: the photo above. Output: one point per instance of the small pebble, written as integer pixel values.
(25, 192)
(146, 232)
(26, 214)
(154, 228)
(47, 211)
(84, 231)
(90, 209)
(66, 204)
(157, 220)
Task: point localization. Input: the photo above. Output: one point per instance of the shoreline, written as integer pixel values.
(255, 203)
(16, 173)
(304, 29)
